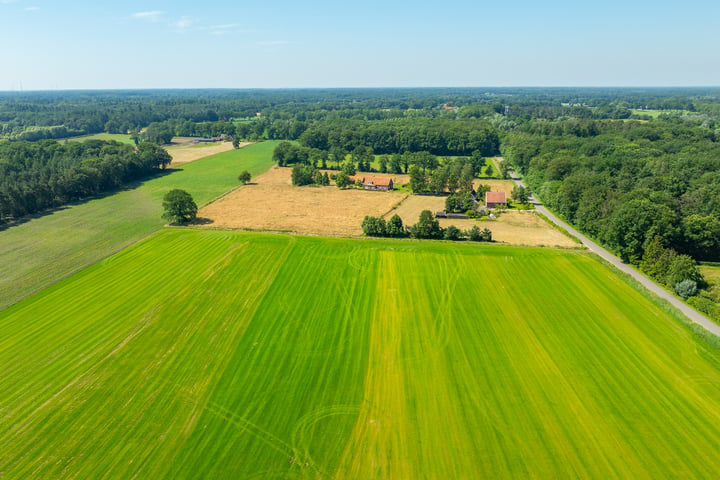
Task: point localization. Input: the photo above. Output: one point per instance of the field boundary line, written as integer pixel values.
(396, 206)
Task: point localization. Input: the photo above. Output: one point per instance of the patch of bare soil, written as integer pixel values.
(271, 202)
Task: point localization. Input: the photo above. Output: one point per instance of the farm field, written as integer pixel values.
(182, 154)
(657, 113)
(512, 226)
(46, 248)
(118, 137)
(237, 355)
(271, 202)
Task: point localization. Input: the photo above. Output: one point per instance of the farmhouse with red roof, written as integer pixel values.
(374, 183)
(495, 199)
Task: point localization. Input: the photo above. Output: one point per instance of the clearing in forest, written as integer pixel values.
(183, 150)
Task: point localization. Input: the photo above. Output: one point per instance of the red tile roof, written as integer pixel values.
(383, 181)
(495, 197)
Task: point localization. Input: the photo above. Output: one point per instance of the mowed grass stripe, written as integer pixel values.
(43, 250)
(152, 383)
(642, 361)
(279, 415)
(237, 355)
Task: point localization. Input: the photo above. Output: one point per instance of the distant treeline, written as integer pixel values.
(439, 136)
(626, 183)
(39, 175)
(272, 114)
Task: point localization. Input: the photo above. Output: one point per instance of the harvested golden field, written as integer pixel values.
(514, 227)
(183, 151)
(496, 185)
(517, 227)
(270, 202)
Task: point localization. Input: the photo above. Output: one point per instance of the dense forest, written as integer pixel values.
(624, 183)
(39, 175)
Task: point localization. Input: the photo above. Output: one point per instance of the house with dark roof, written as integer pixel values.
(495, 199)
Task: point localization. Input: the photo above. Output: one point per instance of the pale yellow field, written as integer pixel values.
(496, 185)
(515, 227)
(270, 202)
(183, 151)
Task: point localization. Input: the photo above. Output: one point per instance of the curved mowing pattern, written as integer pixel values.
(233, 355)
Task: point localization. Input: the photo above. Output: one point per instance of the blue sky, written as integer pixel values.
(275, 43)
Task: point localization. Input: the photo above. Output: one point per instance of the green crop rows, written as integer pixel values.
(239, 355)
(45, 249)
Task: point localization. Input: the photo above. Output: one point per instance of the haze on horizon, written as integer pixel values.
(282, 44)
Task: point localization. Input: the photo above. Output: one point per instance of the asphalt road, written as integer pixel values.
(691, 313)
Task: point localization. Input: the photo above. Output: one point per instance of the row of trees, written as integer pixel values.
(427, 227)
(671, 268)
(39, 175)
(427, 174)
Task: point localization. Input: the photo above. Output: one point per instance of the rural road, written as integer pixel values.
(691, 313)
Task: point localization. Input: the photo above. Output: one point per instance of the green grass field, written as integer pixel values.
(215, 354)
(657, 113)
(102, 136)
(45, 249)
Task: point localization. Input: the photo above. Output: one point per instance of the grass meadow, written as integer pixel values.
(221, 354)
(118, 137)
(49, 247)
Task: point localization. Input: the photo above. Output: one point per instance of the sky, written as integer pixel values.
(60, 45)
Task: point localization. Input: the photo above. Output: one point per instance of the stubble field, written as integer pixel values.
(223, 354)
(513, 227)
(271, 203)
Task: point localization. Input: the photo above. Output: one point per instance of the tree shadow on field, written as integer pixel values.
(201, 221)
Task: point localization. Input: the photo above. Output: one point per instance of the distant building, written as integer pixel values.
(374, 183)
(378, 183)
(495, 199)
